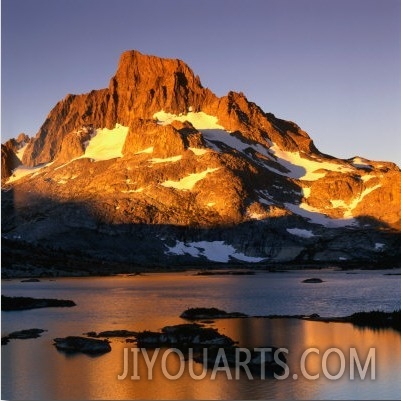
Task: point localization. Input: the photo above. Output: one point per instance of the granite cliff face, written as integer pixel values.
(157, 170)
(11, 154)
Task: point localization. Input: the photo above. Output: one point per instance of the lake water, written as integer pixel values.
(35, 370)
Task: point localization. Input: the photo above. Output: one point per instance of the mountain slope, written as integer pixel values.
(156, 169)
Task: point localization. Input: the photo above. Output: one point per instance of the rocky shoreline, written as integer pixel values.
(28, 271)
(24, 260)
(373, 319)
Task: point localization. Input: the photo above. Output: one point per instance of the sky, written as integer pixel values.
(332, 67)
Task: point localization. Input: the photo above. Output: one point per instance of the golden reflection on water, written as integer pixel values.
(61, 376)
(33, 369)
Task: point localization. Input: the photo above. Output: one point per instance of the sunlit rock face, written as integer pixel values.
(156, 169)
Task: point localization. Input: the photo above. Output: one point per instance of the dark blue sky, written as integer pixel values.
(333, 67)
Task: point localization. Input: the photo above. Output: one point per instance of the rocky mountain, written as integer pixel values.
(11, 154)
(158, 170)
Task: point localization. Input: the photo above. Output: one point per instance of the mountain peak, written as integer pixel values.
(146, 84)
(142, 86)
(157, 157)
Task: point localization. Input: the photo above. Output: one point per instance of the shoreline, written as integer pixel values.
(34, 272)
(25, 260)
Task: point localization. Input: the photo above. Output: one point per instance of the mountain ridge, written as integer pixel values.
(156, 151)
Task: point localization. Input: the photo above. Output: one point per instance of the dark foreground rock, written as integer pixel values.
(112, 333)
(22, 303)
(22, 335)
(211, 348)
(73, 344)
(183, 335)
(372, 319)
(313, 280)
(376, 319)
(209, 313)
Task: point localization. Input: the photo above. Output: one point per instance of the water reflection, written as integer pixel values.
(34, 369)
(45, 373)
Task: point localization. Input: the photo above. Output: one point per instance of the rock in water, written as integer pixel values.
(22, 335)
(22, 303)
(313, 280)
(183, 335)
(209, 313)
(85, 345)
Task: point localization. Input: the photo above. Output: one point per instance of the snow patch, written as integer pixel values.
(306, 192)
(265, 198)
(211, 131)
(216, 251)
(367, 177)
(315, 216)
(131, 191)
(265, 202)
(379, 246)
(147, 150)
(20, 152)
(357, 200)
(358, 162)
(23, 171)
(338, 203)
(188, 182)
(298, 167)
(107, 143)
(198, 151)
(300, 232)
(166, 160)
(301, 168)
(200, 120)
(256, 216)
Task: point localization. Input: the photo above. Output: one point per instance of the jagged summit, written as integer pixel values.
(144, 85)
(158, 160)
(141, 86)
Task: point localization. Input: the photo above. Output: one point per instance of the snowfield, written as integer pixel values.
(300, 232)
(317, 217)
(23, 171)
(300, 168)
(106, 144)
(188, 182)
(216, 251)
